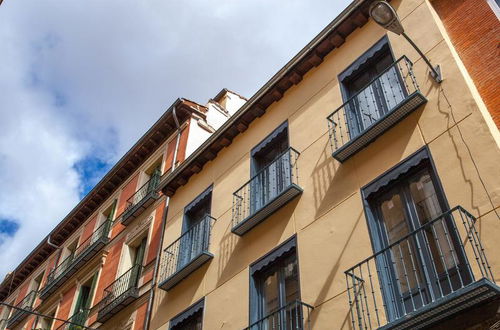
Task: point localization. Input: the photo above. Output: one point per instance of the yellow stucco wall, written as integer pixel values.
(328, 217)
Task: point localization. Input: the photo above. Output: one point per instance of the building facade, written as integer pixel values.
(352, 191)
(99, 263)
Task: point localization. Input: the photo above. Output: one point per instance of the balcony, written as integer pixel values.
(76, 321)
(76, 260)
(141, 199)
(119, 294)
(403, 287)
(295, 316)
(386, 100)
(188, 253)
(18, 314)
(266, 192)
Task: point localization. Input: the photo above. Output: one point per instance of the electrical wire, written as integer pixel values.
(46, 316)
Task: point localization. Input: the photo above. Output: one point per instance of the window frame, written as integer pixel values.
(186, 314)
(265, 264)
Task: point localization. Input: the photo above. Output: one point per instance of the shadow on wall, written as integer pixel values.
(236, 253)
(445, 108)
(334, 272)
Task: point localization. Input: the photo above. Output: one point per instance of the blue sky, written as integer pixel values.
(81, 81)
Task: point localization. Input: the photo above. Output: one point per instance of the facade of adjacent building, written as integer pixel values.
(352, 191)
(99, 263)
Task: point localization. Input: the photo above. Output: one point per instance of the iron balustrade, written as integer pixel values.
(119, 291)
(77, 320)
(191, 246)
(86, 250)
(146, 189)
(295, 315)
(265, 187)
(26, 304)
(59, 269)
(421, 269)
(101, 232)
(372, 110)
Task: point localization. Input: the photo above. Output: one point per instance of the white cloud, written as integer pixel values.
(86, 79)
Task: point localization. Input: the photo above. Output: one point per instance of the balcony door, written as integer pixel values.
(270, 168)
(195, 229)
(373, 88)
(420, 262)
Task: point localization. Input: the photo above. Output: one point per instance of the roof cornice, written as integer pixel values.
(331, 37)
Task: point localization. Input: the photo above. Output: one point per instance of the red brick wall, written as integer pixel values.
(89, 229)
(155, 234)
(109, 270)
(65, 307)
(181, 152)
(23, 291)
(474, 30)
(127, 192)
(140, 316)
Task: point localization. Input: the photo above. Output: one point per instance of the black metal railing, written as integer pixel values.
(101, 232)
(60, 269)
(421, 268)
(77, 320)
(148, 188)
(25, 304)
(294, 316)
(121, 286)
(265, 186)
(384, 94)
(186, 248)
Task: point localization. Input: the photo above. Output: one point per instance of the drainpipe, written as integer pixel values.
(52, 244)
(147, 320)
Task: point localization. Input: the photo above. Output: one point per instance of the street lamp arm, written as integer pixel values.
(435, 71)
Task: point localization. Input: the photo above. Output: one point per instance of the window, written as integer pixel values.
(195, 228)
(109, 213)
(495, 6)
(45, 323)
(428, 264)
(274, 289)
(367, 99)
(37, 282)
(190, 319)
(84, 300)
(270, 167)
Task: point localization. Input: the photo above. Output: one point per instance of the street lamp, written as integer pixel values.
(384, 15)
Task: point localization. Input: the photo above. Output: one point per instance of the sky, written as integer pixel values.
(81, 81)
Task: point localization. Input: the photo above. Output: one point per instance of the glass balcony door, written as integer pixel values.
(195, 232)
(271, 167)
(373, 92)
(423, 267)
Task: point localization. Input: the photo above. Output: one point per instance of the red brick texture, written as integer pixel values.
(155, 234)
(474, 30)
(126, 193)
(109, 270)
(181, 153)
(65, 307)
(89, 229)
(140, 316)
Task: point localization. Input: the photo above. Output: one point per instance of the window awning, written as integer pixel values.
(187, 313)
(376, 49)
(281, 129)
(394, 173)
(274, 255)
(201, 198)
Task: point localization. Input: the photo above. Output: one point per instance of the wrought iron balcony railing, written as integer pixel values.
(387, 99)
(141, 199)
(19, 314)
(77, 320)
(119, 294)
(433, 272)
(186, 254)
(267, 191)
(294, 316)
(83, 253)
